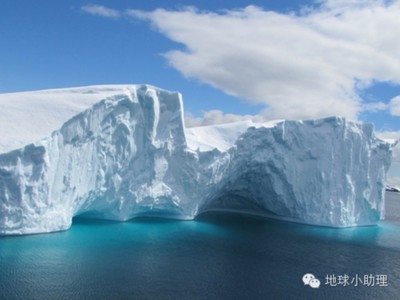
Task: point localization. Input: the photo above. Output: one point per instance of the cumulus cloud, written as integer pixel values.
(395, 106)
(100, 10)
(375, 107)
(306, 65)
(219, 117)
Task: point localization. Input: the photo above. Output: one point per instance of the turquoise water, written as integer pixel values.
(218, 256)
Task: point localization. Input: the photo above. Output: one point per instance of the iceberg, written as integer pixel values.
(130, 155)
(390, 188)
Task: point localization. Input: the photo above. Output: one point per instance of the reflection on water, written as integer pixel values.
(218, 256)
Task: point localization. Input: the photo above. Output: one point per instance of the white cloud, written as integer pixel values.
(100, 10)
(395, 106)
(375, 106)
(341, 5)
(308, 65)
(219, 117)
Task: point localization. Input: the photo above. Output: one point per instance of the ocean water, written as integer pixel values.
(218, 256)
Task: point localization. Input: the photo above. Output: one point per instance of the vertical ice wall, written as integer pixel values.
(111, 161)
(128, 156)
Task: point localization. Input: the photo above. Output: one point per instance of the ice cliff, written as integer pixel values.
(130, 155)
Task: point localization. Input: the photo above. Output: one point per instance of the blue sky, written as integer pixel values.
(231, 60)
(51, 44)
(55, 44)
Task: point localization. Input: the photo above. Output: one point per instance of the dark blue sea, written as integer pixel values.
(218, 256)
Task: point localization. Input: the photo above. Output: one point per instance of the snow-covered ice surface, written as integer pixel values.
(27, 117)
(130, 155)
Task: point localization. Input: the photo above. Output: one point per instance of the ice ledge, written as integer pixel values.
(392, 189)
(129, 155)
